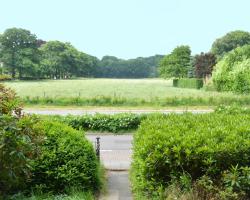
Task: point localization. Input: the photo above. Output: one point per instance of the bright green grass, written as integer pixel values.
(119, 92)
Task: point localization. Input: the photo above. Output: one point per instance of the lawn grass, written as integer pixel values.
(119, 93)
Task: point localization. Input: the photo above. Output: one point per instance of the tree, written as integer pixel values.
(177, 63)
(229, 42)
(62, 60)
(232, 72)
(18, 51)
(203, 64)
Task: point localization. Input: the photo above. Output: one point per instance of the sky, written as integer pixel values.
(128, 28)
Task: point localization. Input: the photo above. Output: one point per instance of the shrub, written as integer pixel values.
(19, 143)
(102, 122)
(188, 83)
(169, 148)
(5, 77)
(67, 160)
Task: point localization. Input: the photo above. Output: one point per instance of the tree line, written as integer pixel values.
(180, 63)
(24, 56)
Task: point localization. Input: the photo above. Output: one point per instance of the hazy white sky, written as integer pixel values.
(128, 28)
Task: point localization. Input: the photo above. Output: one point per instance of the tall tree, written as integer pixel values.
(203, 64)
(177, 63)
(229, 42)
(18, 51)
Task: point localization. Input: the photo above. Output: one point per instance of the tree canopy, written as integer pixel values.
(203, 64)
(18, 51)
(177, 63)
(229, 42)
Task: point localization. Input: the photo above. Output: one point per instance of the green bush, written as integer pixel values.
(5, 77)
(232, 73)
(19, 143)
(188, 83)
(102, 122)
(179, 148)
(67, 160)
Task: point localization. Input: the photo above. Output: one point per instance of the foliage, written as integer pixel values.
(229, 42)
(9, 102)
(172, 148)
(5, 77)
(110, 66)
(203, 64)
(19, 143)
(177, 63)
(74, 194)
(18, 51)
(102, 122)
(188, 83)
(232, 73)
(67, 160)
(62, 60)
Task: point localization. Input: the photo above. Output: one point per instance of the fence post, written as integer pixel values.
(98, 148)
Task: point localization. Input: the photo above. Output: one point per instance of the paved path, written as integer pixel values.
(118, 184)
(116, 156)
(115, 150)
(105, 111)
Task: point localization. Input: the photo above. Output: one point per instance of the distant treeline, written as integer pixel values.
(24, 56)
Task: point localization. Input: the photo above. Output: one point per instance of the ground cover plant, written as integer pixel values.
(205, 154)
(119, 92)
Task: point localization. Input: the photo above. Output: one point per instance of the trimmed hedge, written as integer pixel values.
(190, 146)
(188, 83)
(102, 122)
(67, 160)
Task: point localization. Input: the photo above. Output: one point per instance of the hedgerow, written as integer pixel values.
(189, 147)
(102, 122)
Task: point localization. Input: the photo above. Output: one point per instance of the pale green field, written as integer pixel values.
(89, 88)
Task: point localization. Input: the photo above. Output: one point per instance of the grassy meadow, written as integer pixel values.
(118, 92)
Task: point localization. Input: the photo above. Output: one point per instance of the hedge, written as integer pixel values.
(67, 160)
(190, 146)
(188, 83)
(102, 122)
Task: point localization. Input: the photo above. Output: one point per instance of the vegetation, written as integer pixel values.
(207, 154)
(27, 57)
(188, 83)
(232, 72)
(177, 63)
(67, 160)
(42, 156)
(203, 64)
(230, 41)
(101, 122)
(122, 92)
(112, 67)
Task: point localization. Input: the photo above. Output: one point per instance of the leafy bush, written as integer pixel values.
(67, 160)
(102, 122)
(4, 77)
(179, 148)
(19, 143)
(188, 83)
(232, 73)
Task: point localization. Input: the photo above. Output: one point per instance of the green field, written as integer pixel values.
(118, 92)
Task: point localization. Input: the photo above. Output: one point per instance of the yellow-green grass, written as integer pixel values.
(119, 92)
